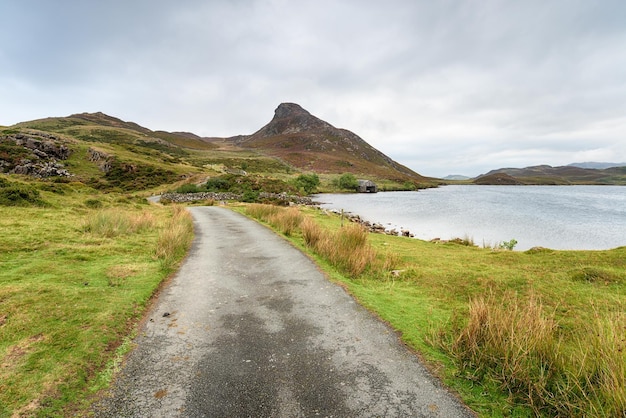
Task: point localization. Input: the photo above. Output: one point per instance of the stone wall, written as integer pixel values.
(192, 197)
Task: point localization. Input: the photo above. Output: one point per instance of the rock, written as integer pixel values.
(41, 159)
(102, 158)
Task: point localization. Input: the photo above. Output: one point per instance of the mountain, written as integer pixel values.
(456, 177)
(596, 165)
(311, 144)
(563, 175)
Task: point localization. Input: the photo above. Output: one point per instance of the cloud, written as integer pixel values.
(445, 86)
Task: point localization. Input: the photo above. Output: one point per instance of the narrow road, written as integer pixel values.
(249, 327)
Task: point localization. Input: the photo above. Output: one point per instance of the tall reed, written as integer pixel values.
(175, 237)
(286, 220)
(347, 248)
(519, 344)
(111, 223)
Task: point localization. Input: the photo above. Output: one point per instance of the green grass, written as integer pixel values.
(536, 333)
(73, 282)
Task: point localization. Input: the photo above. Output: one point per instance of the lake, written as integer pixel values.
(557, 217)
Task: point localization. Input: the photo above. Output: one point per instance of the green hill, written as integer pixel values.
(108, 153)
(548, 175)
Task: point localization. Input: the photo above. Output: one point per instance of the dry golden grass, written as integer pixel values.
(348, 249)
(175, 237)
(287, 221)
(110, 223)
(311, 232)
(520, 345)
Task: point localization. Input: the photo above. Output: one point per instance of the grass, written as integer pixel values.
(535, 333)
(74, 280)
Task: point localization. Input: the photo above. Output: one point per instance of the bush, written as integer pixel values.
(250, 196)
(127, 176)
(240, 184)
(188, 188)
(217, 184)
(20, 195)
(508, 245)
(347, 181)
(93, 203)
(307, 182)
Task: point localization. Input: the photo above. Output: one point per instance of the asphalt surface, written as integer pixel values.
(249, 327)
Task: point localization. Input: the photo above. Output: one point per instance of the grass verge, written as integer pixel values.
(73, 282)
(535, 333)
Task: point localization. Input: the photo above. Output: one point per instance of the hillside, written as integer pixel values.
(107, 153)
(564, 175)
(311, 144)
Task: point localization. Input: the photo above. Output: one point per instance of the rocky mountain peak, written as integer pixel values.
(286, 110)
(303, 140)
(289, 119)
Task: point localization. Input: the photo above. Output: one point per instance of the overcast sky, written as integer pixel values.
(444, 87)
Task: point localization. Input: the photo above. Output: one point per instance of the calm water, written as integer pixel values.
(558, 217)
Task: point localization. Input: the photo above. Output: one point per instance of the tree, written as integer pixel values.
(347, 181)
(307, 182)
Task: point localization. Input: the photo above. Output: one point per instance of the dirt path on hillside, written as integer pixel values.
(249, 327)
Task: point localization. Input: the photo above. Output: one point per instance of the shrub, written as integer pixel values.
(217, 184)
(347, 181)
(250, 196)
(466, 240)
(131, 176)
(93, 203)
(20, 195)
(595, 275)
(307, 182)
(188, 188)
(508, 245)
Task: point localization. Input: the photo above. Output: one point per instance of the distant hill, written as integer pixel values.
(563, 175)
(456, 177)
(311, 144)
(596, 165)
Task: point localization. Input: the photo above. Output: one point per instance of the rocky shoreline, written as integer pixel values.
(376, 228)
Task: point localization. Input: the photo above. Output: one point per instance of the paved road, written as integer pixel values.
(249, 327)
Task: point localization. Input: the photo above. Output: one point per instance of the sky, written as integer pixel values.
(441, 86)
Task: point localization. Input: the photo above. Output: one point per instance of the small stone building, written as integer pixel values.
(367, 186)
